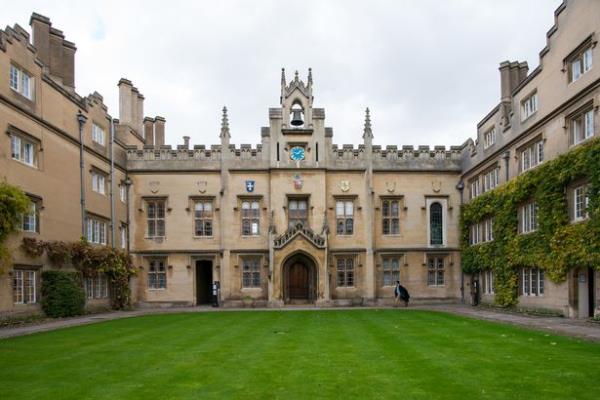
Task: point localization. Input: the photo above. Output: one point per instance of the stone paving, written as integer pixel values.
(562, 326)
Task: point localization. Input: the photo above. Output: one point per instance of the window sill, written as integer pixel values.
(250, 236)
(529, 117)
(252, 288)
(157, 289)
(436, 286)
(583, 140)
(33, 166)
(22, 96)
(203, 237)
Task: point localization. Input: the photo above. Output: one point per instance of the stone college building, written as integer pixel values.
(295, 219)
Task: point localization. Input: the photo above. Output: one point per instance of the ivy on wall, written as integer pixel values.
(557, 245)
(13, 203)
(89, 261)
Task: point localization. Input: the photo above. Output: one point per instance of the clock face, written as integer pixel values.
(297, 153)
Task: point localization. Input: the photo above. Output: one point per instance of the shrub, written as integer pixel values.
(62, 294)
(13, 203)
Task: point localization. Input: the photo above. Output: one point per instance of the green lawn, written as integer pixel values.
(356, 354)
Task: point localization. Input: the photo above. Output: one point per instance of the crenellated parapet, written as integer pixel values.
(394, 157)
(199, 157)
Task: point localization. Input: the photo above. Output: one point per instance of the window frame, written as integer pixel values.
(389, 217)
(99, 179)
(157, 269)
(157, 204)
(21, 74)
(98, 134)
(529, 105)
(344, 218)
(582, 125)
(345, 271)
(30, 291)
(532, 282)
(203, 219)
(123, 233)
(582, 214)
(487, 280)
(20, 154)
(96, 229)
(36, 205)
(251, 272)
(528, 217)
(389, 270)
(583, 57)
(533, 152)
(297, 219)
(436, 268)
(443, 204)
(487, 135)
(96, 287)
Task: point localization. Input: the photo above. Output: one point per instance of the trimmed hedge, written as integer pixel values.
(62, 294)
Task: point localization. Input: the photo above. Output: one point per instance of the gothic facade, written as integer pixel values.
(295, 219)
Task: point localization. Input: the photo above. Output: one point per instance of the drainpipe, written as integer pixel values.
(128, 183)
(112, 183)
(461, 186)
(81, 119)
(506, 157)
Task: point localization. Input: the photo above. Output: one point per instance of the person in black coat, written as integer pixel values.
(401, 293)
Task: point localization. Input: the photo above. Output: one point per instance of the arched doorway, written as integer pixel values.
(299, 279)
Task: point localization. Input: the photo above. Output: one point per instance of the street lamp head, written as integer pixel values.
(81, 118)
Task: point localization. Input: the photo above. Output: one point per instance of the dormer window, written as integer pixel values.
(489, 138)
(97, 134)
(21, 82)
(580, 63)
(529, 106)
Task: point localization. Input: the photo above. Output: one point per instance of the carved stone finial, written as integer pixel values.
(225, 125)
(367, 132)
(296, 76)
(283, 77)
(310, 81)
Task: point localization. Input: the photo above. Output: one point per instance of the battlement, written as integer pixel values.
(393, 152)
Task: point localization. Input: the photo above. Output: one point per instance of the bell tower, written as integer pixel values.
(296, 101)
(296, 132)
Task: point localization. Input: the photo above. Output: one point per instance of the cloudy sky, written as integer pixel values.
(428, 69)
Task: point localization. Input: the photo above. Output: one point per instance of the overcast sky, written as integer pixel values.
(428, 69)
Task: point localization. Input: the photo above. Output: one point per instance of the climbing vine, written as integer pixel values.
(557, 245)
(89, 261)
(13, 203)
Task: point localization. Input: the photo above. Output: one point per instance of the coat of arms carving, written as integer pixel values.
(298, 182)
(202, 186)
(390, 186)
(436, 186)
(345, 186)
(154, 186)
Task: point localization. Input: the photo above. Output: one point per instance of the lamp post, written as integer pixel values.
(81, 119)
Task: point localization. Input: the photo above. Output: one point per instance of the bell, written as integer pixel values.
(297, 118)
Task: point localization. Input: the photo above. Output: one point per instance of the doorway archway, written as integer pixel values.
(299, 279)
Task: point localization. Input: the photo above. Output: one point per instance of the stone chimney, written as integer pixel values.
(69, 50)
(149, 131)
(40, 28)
(139, 121)
(125, 116)
(186, 142)
(131, 106)
(159, 131)
(56, 53)
(511, 76)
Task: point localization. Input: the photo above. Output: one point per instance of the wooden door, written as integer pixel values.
(298, 281)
